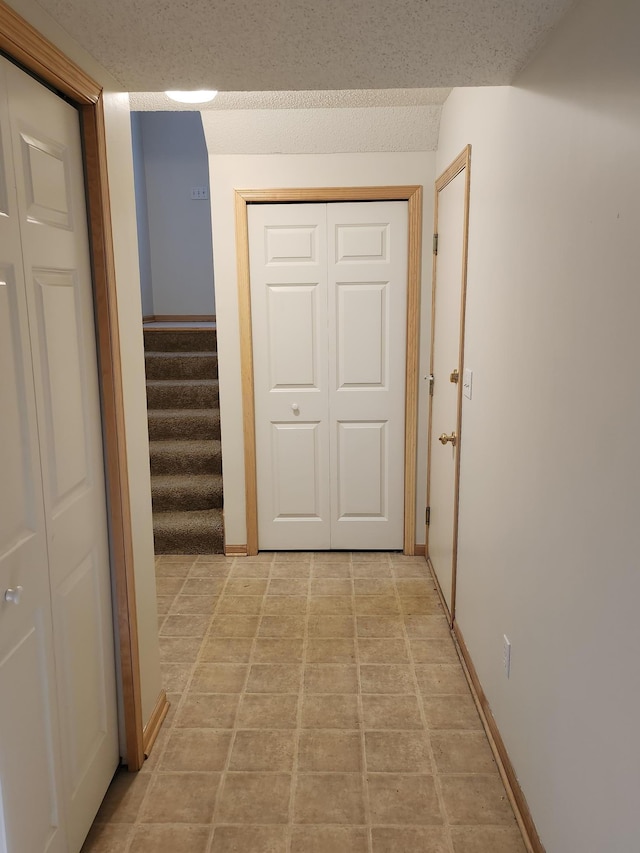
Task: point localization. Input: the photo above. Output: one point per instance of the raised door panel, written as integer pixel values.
(363, 492)
(29, 756)
(61, 369)
(32, 813)
(18, 516)
(444, 403)
(289, 315)
(292, 317)
(46, 181)
(367, 289)
(295, 471)
(50, 191)
(362, 318)
(81, 675)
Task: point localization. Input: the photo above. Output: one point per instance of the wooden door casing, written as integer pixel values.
(447, 356)
(412, 194)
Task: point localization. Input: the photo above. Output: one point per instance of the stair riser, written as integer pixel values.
(179, 427)
(177, 500)
(184, 432)
(183, 340)
(185, 503)
(188, 532)
(182, 397)
(188, 543)
(184, 463)
(181, 367)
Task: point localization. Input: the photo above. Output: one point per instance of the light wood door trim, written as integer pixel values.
(411, 194)
(154, 724)
(24, 45)
(462, 162)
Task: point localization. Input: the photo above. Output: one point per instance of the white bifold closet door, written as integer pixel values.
(58, 711)
(328, 303)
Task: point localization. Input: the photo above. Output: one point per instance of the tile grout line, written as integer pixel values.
(426, 655)
(241, 694)
(423, 716)
(154, 773)
(196, 662)
(298, 729)
(365, 774)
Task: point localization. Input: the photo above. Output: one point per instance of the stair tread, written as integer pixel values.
(191, 382)
(179, 479)
(180, 354)
(185, 443)
(186, 492)
(181, 413)
(176, 519)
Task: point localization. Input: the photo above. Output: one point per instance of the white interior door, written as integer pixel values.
(328, 303)
(367, 295)
(288, 260)
(446, 354)
(47, 159)
(31, 806)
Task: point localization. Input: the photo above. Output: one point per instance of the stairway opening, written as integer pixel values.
(184, 438)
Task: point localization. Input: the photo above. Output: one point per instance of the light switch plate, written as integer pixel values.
(467, 382)
(199, 192)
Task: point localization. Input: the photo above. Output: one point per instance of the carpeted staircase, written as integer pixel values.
(184, 440)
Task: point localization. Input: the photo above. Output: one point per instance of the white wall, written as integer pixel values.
(321, 130)
(179, 263)
(120, 170)
(142, 215)
(550, 467)
(229, 172)
(125, 244)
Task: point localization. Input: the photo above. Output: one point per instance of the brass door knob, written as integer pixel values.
(444, 438)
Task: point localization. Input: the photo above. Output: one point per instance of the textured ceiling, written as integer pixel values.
(345, 99)
(269, 45)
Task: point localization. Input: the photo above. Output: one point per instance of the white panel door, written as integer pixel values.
(328, 303)
(50, 191)
(31, 807)
(367, 293)
(288, 259)
(444, 403)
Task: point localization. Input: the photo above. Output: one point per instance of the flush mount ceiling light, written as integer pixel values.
(199, 96)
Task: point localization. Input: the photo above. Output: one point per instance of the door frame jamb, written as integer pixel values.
(462, 163)
(413, 196)
(23, 44)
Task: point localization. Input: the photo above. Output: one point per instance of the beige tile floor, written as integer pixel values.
(317, 706)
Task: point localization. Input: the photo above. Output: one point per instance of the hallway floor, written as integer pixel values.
(317, 706)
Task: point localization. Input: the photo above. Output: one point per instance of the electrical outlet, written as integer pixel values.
(199, 192)
(506, 655)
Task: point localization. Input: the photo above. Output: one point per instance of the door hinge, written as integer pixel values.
(431, 381)
(435, 244)
(427, 516)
